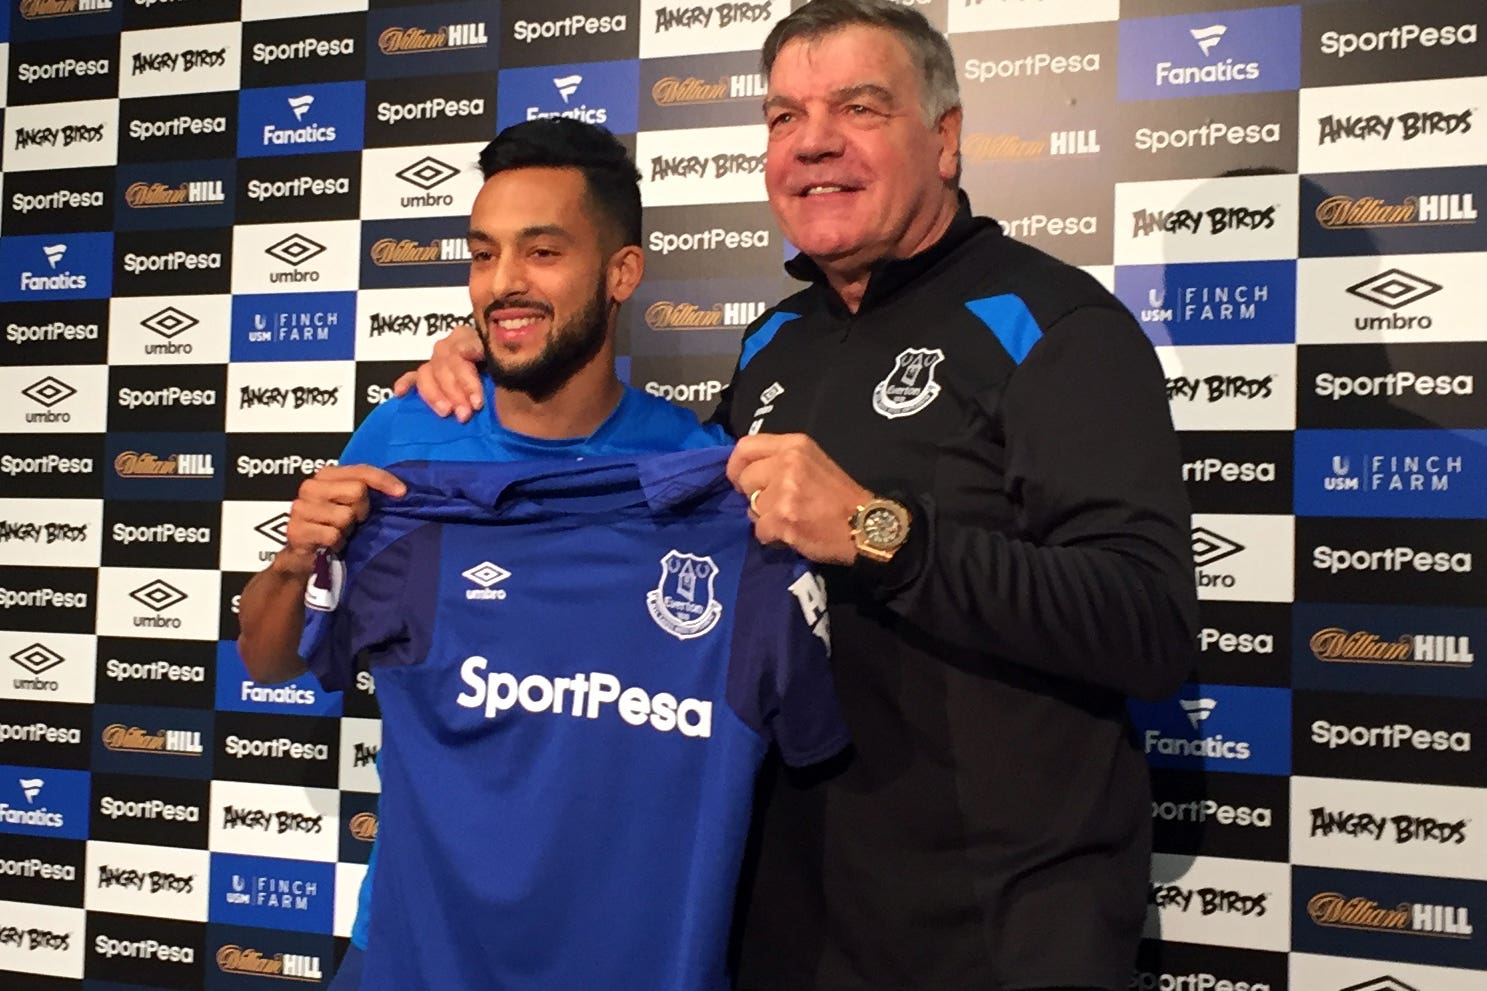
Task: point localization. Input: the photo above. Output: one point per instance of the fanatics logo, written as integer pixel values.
(567, 85)
(1208, 38)
(295, 250)
(427, 172)
(1211, 548)
(158, 595)
(486, 575)
(31, 787)
(48, 391)
(1198, 709)
(683, 603)
(54, 253)
(37, 658)
(1394, 289)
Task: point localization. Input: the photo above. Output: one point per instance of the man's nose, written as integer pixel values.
(819, 136)
(508, 276)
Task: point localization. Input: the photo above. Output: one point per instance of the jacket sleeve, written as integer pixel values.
(1096, 583)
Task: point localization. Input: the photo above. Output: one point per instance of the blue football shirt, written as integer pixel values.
(580, 668)
(405, 429)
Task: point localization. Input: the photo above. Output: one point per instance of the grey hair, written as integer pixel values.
(926, 46)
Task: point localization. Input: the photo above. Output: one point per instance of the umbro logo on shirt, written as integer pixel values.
(486, 575)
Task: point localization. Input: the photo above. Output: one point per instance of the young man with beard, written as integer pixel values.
(554, 241)
(976, 436)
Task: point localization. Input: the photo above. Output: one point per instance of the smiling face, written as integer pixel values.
(542, 283)
(854, 173)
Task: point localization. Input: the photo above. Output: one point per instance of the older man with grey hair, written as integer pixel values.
(976, 436)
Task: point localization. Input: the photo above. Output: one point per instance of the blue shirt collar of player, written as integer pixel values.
(456, 490)
(525, 446)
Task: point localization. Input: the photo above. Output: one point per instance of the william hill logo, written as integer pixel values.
(132, 739)
(665, 314)
(449, 38)
(1425, 650)
(682, 91)
(234, 959)
(33, 10)
(363, 826)
(1012, 148)
(405, 251)
(1328, 908)
(143, 464)
(1428, 210)
(206, 192)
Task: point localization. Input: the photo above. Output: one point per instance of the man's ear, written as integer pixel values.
(625, 270)
(948, 128)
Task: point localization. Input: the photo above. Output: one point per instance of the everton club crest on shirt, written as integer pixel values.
(911, 385)
(682, 603)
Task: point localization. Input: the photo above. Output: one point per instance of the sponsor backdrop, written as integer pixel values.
(227, 225)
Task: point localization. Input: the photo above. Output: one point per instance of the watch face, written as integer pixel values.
(882, 528)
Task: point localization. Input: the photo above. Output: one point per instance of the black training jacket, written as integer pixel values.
(992, 830)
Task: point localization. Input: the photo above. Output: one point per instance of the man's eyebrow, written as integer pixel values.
(536, 230)
(843, 95)
(877, 90)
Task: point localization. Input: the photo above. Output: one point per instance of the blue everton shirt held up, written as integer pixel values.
(407, 430)
(580, 668)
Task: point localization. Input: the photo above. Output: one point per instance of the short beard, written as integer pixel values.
(569, 348)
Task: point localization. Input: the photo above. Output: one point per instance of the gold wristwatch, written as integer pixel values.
(879, 528)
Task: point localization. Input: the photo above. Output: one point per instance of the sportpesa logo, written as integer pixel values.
(573, 26)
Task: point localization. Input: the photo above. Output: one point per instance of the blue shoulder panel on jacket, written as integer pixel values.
(761, 337)
(1009, 319)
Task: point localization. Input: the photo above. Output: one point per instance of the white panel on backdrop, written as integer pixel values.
(1222, 902)
(1104, 274)
(53, 399)
(1231, 387)
(169, 330)
(348, 890)
(4, 70)
(164, 603)
(62, 135)
(52, 940)
(1391, 299)
(994, 15)
(55, 533)
(320, 256)
(132, 879)
(51, 667)
(402, 324)
(361, 740)
(1310, 972)
(290, 396)
(252, 533)
(701, 165)
(202, 58)
(1435, 830)
(1244, 558)
(247, 818)
(263, 10)
(1242, 218)
(692, 27)
(419, 181)
(1397, 125)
